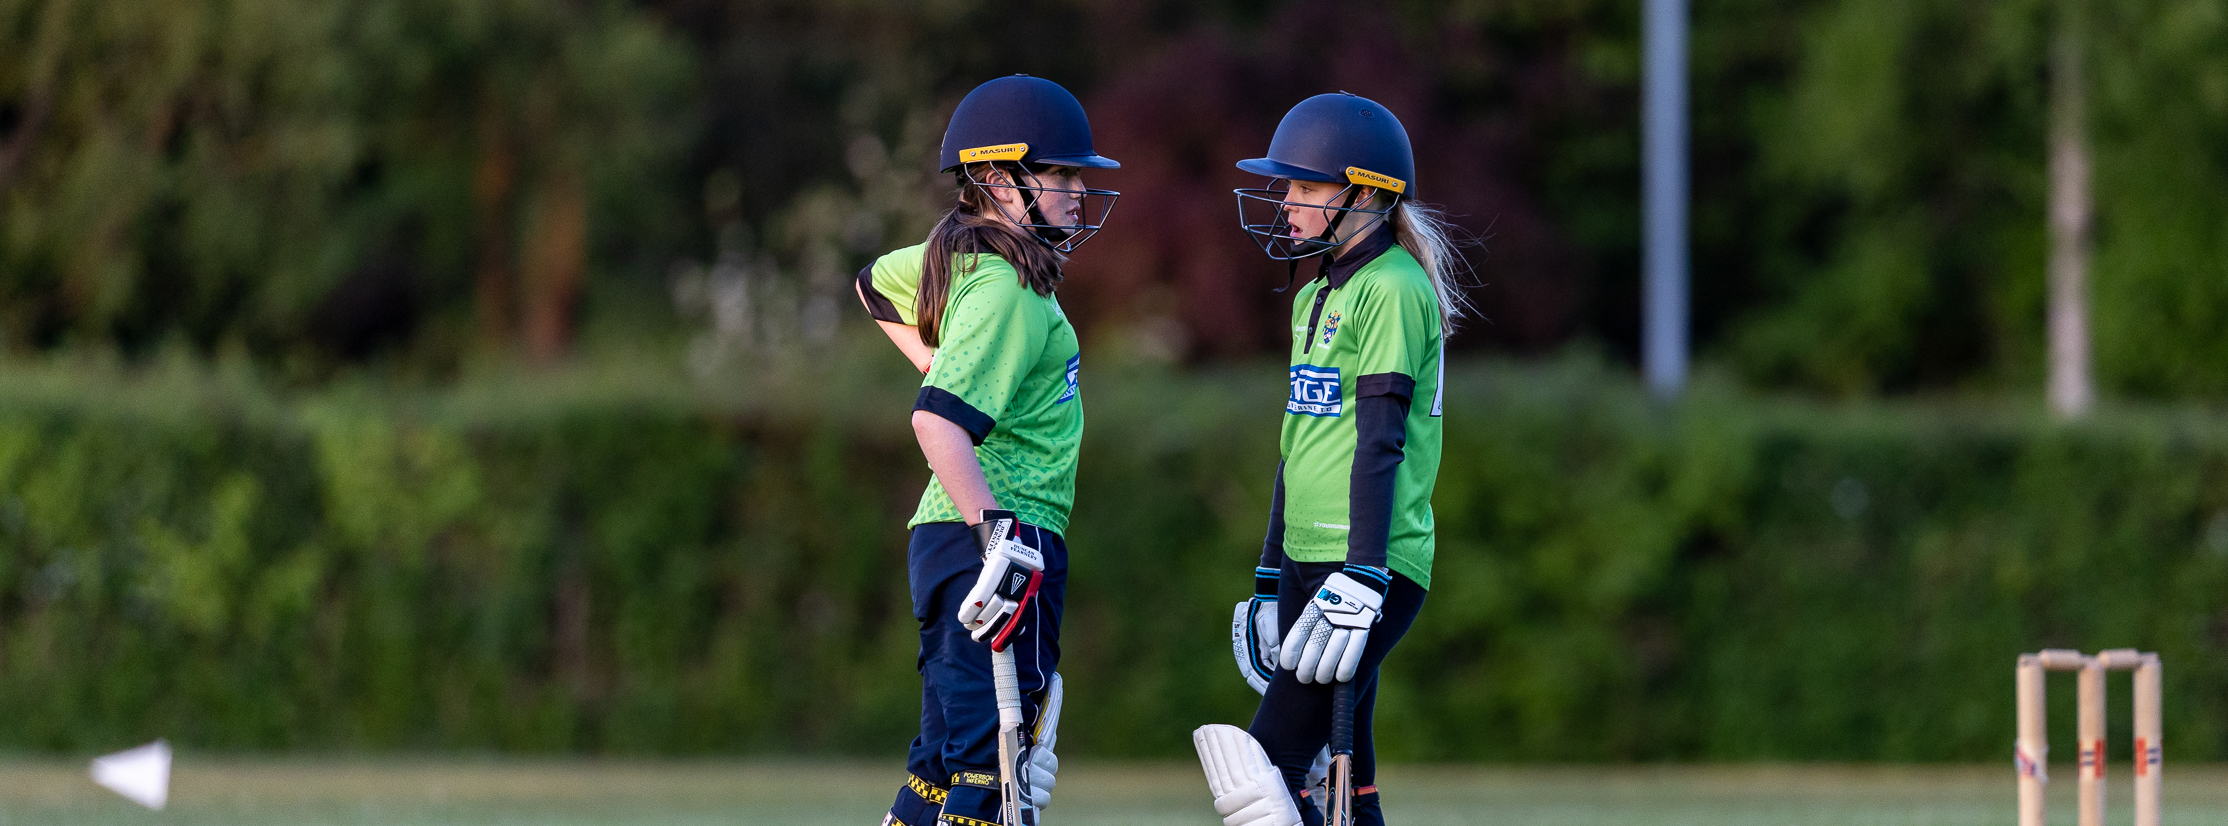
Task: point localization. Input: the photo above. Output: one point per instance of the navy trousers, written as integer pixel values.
(1294, 720)
(955, 758)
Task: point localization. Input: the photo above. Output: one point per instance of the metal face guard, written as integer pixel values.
(1273, 232)
(1061, 237)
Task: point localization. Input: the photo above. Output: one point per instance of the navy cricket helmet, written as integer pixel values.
(1016, 124)
(1339, 138)
(1021, 118)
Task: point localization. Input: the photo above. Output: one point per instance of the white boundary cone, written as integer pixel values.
(141, 775)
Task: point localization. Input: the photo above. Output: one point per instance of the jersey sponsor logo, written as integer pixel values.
(1333, 527)
(1075, 369)
(1315, 391)
(1330, 325)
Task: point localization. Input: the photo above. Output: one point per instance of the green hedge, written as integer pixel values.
(538, 566)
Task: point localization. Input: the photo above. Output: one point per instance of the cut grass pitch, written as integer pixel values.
(452, 792)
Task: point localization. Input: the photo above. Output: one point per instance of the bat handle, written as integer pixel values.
(1342, 718)
(1342, 756)
(1008, 685)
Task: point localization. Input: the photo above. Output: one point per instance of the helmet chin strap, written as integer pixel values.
(1043, 228)
(1292, 271)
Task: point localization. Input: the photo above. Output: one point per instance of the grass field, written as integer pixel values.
(448, 792)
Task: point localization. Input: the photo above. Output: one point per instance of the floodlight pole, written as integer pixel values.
(1664, 192)
(2072, 221)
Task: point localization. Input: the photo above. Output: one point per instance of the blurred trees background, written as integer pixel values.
(412, 184)
(638, 566)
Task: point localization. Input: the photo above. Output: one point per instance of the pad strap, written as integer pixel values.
(928, 791)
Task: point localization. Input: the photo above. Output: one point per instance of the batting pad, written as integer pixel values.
(1248, 789)
(1044, 766)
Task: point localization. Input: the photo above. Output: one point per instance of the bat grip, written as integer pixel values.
(1008, 683)
(1342, 718)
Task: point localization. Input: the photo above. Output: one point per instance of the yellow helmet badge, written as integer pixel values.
(1001, 152)
(1364, 177)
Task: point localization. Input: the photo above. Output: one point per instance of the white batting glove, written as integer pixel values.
(1007, 566)
(1326, 643)
(1253, 638)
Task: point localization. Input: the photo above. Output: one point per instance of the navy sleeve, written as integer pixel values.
(1380, 439)
(1272, 548)
(956, 410)
(877, 305)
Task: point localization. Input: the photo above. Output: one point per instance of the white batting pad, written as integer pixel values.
(1248, 789)
(141, 775)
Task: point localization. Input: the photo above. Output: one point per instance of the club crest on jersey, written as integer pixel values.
(1075, 368)
(1330, 325)
(1315, 391)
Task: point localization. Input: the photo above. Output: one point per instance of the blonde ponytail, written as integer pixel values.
(1423, 231)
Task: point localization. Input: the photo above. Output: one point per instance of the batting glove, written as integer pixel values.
(1253, 638)
(1326, 643)
(1044, 766)
(1007, 568)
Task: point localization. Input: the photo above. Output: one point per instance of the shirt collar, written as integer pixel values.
(1340, 269)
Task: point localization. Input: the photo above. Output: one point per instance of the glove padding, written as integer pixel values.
(1007, 567)
(1253, 637)
(1326, 643)
(1248, 789)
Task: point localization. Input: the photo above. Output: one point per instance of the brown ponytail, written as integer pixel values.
(967, 228)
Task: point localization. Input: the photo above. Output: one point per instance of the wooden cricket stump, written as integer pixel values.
(2031, 751)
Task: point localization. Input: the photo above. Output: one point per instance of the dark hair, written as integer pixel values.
(969, 227)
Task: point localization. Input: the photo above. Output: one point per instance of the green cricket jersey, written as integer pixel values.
(891, 285)
(1005, 372)
(1361, 426)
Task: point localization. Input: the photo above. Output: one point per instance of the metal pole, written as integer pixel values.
(2072, 220)
(1664, 191)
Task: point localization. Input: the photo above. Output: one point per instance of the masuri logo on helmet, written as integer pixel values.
(1363, 177)
(1001, 152)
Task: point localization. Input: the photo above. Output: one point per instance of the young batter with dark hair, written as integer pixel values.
(999, 418)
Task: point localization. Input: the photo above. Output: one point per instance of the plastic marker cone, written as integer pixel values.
(141, 775)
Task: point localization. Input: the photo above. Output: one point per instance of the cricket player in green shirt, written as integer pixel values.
(1347, 560)
(999, 418)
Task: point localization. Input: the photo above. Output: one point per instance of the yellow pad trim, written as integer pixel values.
(1364, 177)
(963, 820)
(1001, 152)
(925, 789)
